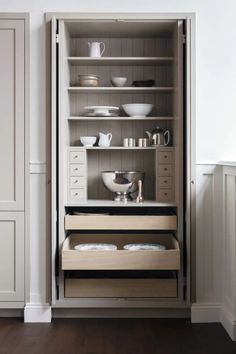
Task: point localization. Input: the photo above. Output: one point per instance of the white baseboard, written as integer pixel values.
(229, 323)
(206, 312)
(36, 312)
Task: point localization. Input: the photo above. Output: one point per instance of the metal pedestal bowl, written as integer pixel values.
(122, 183)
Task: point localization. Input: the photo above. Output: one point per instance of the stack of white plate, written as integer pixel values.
(144, 247)
(95, 247)
(101, 111)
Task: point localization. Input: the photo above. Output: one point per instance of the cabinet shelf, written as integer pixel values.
(120, 61)
(78, 89)
(120, 148)
(119, 118)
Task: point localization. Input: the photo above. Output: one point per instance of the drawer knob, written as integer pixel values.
(165, 169)
(165, 156)
(165, 181)
(76, 193)
(76, 181)
(76, 157)
(76, 169)
(165, 193)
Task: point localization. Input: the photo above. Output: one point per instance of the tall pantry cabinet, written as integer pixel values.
(13, 112)
(83, 210)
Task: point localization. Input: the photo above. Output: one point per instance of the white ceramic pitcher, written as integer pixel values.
(95, 49)
(104, 139)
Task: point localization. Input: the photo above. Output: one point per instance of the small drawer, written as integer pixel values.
(165, 195)
(77, 169)
(78, 156)
(165, 156)
(77, 182)
(77, 194)
(121, 259)
(165, 170)
(164, 182)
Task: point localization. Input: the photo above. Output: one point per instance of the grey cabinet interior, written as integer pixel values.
(83, 210)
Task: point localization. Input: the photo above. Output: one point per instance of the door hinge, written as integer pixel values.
(184, 38)
(57, 38)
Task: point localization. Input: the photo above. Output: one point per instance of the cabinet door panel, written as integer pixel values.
(12, 112)
(11, 256)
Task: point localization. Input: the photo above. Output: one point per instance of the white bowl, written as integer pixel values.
(88, 140)
(137, 109)
(118, 81)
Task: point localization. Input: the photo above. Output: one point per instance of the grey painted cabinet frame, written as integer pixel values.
(13, 157)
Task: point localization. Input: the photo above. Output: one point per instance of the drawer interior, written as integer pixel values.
(120, 259)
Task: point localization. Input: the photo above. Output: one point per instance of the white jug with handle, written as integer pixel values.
(95, 49)
(104, 139)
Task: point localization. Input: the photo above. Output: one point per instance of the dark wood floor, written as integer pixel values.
(113, 336)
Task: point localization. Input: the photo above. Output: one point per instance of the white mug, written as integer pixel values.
(95, 49)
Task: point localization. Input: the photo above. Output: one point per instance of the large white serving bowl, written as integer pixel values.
(137, 109)
(88, 140)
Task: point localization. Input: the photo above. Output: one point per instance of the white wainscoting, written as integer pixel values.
(216, 246)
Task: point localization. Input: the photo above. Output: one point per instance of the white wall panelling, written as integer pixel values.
(216, 246)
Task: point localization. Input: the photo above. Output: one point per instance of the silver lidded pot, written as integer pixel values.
(122, 183)
(159, 137)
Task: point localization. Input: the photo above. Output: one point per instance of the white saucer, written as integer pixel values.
(95, 247)
(144, 247)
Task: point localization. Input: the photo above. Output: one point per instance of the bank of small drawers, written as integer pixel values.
(77, 175)
(165, 176)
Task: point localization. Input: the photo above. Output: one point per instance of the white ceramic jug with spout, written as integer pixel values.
(95, 49)
(104, 139)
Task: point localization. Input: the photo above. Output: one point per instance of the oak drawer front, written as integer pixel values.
(165, 170)
(165, 157)
(121, 259)
(89, 288)
(77, 169)
(78, 156)
(121, 222)
(77, 194)
(77, 182)
(164, 182)
(165, 195)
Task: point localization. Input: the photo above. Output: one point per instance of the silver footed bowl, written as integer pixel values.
(122, 183)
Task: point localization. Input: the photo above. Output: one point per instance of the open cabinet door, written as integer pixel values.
(190, 161)
(54, 144)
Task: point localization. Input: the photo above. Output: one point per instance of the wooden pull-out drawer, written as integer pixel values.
(90, 288)
(165, 170)
(164, 182)
(120, 222)
(77, 169)
(165, 157)
(121, 259)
